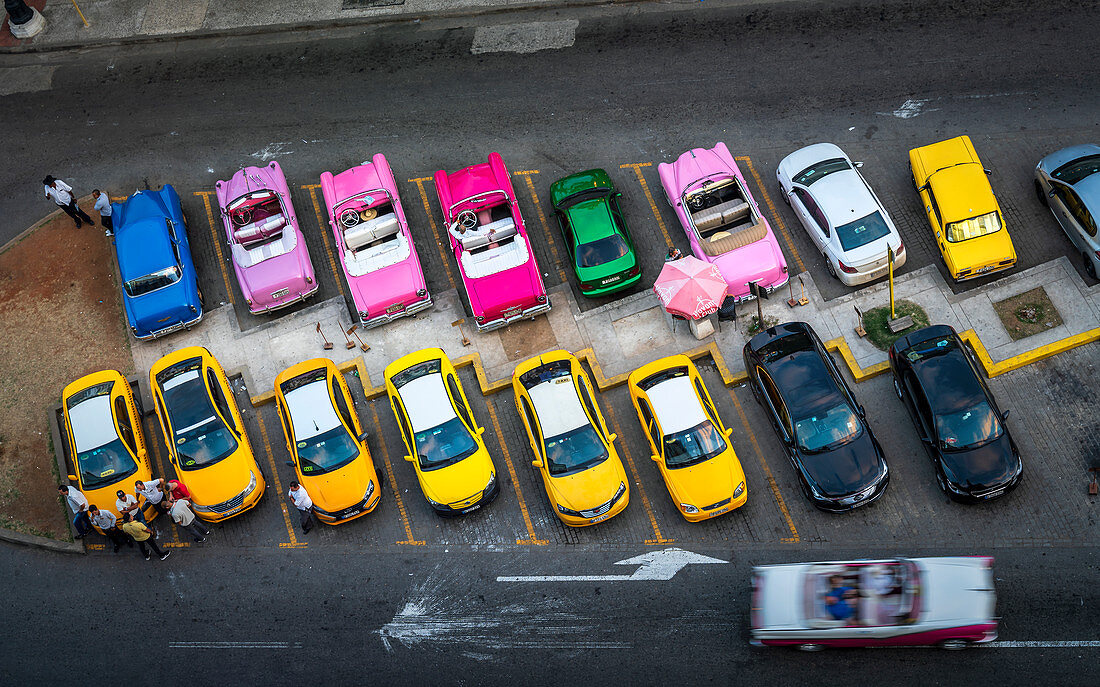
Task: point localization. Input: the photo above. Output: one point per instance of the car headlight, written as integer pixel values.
(200, 509)
(492, 480)
(434, 502)
(739, 490)
(370, 490)
(565, 511)
(620, 492)
(251, 484)
(688, 508)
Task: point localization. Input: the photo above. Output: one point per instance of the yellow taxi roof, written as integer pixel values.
(962, 192)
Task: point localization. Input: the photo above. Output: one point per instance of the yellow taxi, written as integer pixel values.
(327, 444)
(690, 445)
(441, 433)
(205, 435)
(106, 445)
(966, 219)
(574, 451)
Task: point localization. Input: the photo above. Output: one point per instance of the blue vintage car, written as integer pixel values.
(159, 285)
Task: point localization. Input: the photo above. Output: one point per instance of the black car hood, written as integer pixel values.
(989, 465)
(847, 469)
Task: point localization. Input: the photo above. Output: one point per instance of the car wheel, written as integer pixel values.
(897, 388)
(786, 198)
(829, 266)
(202, 301)
(811, 647)
(954, 644)
(1041, 195)
(942, 481)
(1090, 266)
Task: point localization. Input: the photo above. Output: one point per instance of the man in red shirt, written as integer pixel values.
(178, 490)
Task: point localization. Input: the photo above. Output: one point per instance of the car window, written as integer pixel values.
(862, 231)
(705, 398)
(971, 228)
(815, 211)
(924, 411)
(399, 412)
(341, 403)
(458, 400)
(589, 405)
(531, 422)
(1078, 169)
(693, 445)
(445, 444)
(151, 282)
(935, 206)
(125, 428)
(575, 450)
(601, 251)
(567, 229)
(219, 397)
(827, 429)
(1076, 208)
(968, 427)
(776, 400)
(821, 170)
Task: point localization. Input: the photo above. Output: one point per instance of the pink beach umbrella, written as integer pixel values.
(690, 288)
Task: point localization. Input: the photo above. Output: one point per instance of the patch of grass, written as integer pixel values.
(17, 525)
(876, 322)
(755, 326)
(1027, 314)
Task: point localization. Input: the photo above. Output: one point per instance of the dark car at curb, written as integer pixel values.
(823, 428)
(958, 420)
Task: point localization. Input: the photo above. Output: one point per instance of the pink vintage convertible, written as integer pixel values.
(268, 250)
(374, 244)
(489, 240)
(722, 221)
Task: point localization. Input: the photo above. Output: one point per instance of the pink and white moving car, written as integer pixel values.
(722, 221)
(489, 240)
(373, 241)
(268, 251)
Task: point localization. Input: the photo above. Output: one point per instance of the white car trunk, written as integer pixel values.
(956, 591)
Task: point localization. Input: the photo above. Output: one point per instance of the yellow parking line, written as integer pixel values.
(658, 537)
(439, 242)
(164, 475)
(637, 167)
(312, 188)
(393, 481)
(294, 543)
(532, 539)
(217, 243)
(767, 471)
(775, 214)
(542, 219)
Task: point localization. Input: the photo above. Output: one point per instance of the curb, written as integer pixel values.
(34, 541)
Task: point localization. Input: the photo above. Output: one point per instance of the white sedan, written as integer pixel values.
(842, 215)
(946, 601)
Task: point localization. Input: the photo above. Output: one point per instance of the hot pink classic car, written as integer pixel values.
(490, 244)
(374, 244)
(722, 221)
(268, 250)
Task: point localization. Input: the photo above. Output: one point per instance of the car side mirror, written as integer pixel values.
(363, 435)
(72, 478)
(857, 164)
(862, 411)
(655, 459)
(537, 462)
(612, 437)
(1004, 415)
(411, 459)
(480, 430)
(1051, 193)
(987, 171)
(729, 431)
(290, 463)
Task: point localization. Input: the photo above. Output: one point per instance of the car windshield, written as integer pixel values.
(930, 348)
(693, 445)
(574, 451)
(327, 451)
(201, 437)
(1077, 170)
(602, 251)
(826, 430)
(104, 465)
(862, 231)
(974, 227)
(821, 170)
(444, 445)
(154, 281)
(581, 196)
(968, 428)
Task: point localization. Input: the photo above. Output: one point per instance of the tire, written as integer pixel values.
(942, 481)
(202, 301)
(897, 389)
(954, 644)
(829, 267)
(1090, 266)
(786, 198)
(811, 647)
(1041, 195)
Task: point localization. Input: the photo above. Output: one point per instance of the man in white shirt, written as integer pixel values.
(103, 207)
(62, 194)
(128, 503)
(180, 510)
(304, 504)
(79, 506)
(106, 521)
(152, 492)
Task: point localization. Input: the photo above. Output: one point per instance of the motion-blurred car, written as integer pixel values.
(689, 442)
(964, 214)
(842, 215)
(574, 450)
(1068, 182)
(948, 601)
(160, 292)
(327, 444)
(376, 250)
(268, 250)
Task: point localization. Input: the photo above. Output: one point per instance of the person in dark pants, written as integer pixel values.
(142, 535)
(304, 504)
(62, 194)
(180, 510)
(79, 506)
(103, 207)
(106, 521)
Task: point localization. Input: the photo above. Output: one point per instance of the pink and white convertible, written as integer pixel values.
(722, 221)
(947, 601)
(269, 253)
(374, 244)
(489, 240)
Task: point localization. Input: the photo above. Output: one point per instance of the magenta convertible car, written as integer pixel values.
(374, 244)
(722, 221)
(498, 267)
(268, 250)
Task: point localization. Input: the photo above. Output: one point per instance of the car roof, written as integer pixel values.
(962, 192)
(799, 373)
(143, 247)
(426, 401)
(948, 380)
(558, 406)
(843, 197)
(591, 220)
(92, 423)
(311, 411)
(675, 404)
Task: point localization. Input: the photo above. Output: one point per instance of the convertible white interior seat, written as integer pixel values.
(480, 237)
(372, 230)
(724, 213)
(259, 231)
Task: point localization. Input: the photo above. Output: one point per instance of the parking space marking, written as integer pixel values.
(658, 537)
(794, 538)
(419, 181)
(775, 214)
(637, 167)
(393, 481)
(160, 468)
(532, 539)
(294, 543)
(542, 219)
(312, 188)
(217, 243)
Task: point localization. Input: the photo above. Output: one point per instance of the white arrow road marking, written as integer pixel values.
(234, 645)
(653, 565)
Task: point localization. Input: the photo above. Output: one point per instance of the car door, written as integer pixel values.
(777, 410)
(932, 209)
(1061, 199)
(566, 232)
(809, 213)
(922, 415)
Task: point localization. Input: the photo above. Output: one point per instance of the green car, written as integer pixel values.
(599, 244)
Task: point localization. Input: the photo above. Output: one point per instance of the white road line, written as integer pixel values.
(1055, 644)
(234, 645)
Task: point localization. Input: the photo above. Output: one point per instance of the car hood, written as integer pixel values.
(590, 488)
(708, 482)
(695, 165)
(957, 590)
(344, 488)
(847, 469)
(988, 465)
(223, 480)
(460, 481)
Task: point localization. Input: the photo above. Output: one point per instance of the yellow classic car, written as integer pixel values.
(690, 445)
(574, 451)
(205, 435)
(327, 444)
(968, 224)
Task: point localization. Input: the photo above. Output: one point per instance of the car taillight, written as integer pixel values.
(633, 271)
(901, 248)
(846, 268)
(421, 292)
(362, 315)
(480, 319)
(541, 298)
(309, 280)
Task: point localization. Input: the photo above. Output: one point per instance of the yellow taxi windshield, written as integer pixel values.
(974, 227)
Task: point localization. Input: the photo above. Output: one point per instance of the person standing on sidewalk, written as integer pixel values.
(79, 506)
(127, 503)
(106, 521)
(62, 194)
(180, 510)
(153, 493)
(304, 504)
(142, 535)
(103, 207)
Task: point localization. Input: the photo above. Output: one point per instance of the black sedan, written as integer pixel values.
(955, 414)
(824, 429)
